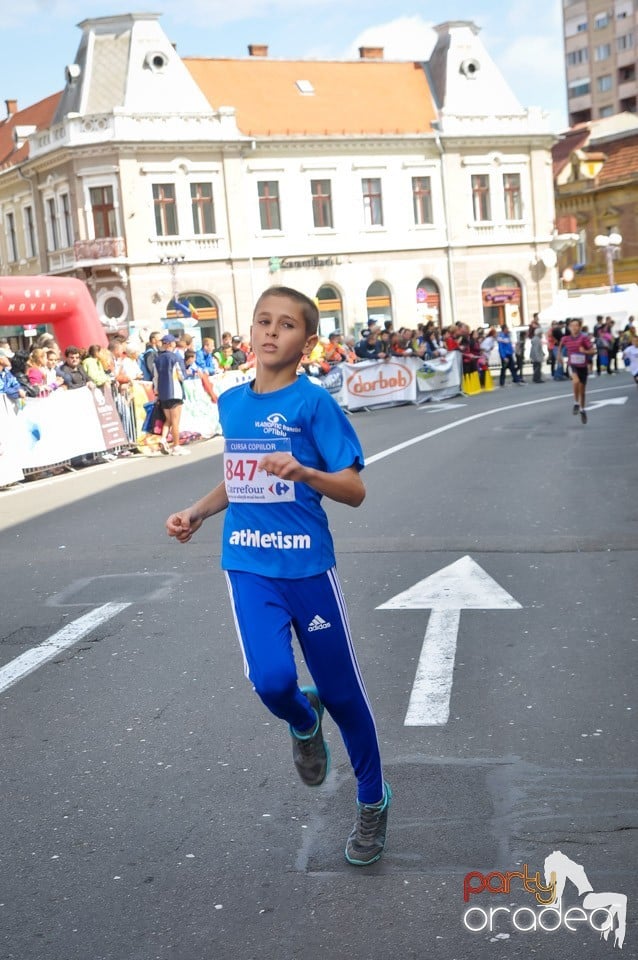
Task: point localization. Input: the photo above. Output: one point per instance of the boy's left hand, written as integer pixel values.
(284, 466)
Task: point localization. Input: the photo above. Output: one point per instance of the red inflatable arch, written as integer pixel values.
(63, 302)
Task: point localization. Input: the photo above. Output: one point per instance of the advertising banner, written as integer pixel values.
(112, 430)
(59, 427)
(10, 469)
(373, 383)
(439, 378)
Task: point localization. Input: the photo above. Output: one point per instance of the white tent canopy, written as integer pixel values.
(618, 305)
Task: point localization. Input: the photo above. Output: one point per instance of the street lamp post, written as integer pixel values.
(609, 243)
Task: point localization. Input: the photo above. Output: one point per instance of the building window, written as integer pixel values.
(165, 209)
(29, 232)
(602, 52)
(604, 83)
(625, 42)
(578, 88)
(12, 246)
(269, 215)
(578, 56)
(203, 208)
(321, 191)
(422, 200)
(53, 230)
(372, 202)
(581, 27)
(601, 20)
(481, 197)
(512, 196)
(606, 112)
(103, 212)
(67, 224)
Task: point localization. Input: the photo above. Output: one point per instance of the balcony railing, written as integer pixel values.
(104, 248)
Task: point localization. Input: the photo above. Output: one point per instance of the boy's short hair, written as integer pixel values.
(71, 350)
(309, 309)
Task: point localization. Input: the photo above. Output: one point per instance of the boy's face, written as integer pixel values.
(279, 336)
(574, 328)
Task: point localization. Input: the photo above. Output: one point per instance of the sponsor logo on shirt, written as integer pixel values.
(277, 425)
(318, 623)
(274, 540)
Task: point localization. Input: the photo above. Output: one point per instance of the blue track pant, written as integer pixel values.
(266, 611)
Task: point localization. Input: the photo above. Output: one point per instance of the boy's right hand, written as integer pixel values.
(183, 525)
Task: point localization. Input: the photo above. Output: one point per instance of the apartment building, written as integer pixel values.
(402, 190)
(600, 42)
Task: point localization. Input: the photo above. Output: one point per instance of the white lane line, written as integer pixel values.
(475, 416)
(31, 659)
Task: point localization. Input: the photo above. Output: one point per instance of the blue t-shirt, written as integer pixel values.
(167, 371)
(289, 538)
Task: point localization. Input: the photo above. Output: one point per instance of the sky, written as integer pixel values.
(38, 38)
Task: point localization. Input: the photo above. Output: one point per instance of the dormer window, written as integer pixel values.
(305, 87)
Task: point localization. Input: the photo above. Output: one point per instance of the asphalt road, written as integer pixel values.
(149, 808)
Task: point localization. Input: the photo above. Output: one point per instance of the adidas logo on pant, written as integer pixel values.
(318, 623)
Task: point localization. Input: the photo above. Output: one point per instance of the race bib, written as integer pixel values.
(578, 359)
(244, 482)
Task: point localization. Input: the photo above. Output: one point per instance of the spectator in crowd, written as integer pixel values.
(556, 362)
(147, 358)
(129, 364)
(335, 351)
(533, 327)
(369, 348)
(37, 371)
(93, 366)
(488, 343)
(19, 362)
(224, 356)
(239, 354)
(167, 380)
(519, 354)
(604, 345)
(506, 353)
(537, 356)
(5, 347)
(54, 380)
(9, 385)
(205, 357)
(190, 365)
(72, 372)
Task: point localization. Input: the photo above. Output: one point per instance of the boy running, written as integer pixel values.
(288, 444)
(578, 348)
(630, 356)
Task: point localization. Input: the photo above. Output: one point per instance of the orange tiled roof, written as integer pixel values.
(38, 115)
(350, 97)
(621, 160)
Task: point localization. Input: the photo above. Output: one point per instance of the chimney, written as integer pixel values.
(371, 53)
(12, 108)
(258, 49)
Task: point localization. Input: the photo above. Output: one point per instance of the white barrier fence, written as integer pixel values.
(41, 432)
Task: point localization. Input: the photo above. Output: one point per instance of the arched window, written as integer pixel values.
(330, 309)
(379, 302)
(502, 301)
(197, 313)
(428, 302)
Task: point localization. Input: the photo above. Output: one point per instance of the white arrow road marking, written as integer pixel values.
(612, 402)
(462, 585)
(31, 659)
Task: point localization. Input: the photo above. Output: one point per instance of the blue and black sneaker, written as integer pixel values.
(310, 751)
(367, 840)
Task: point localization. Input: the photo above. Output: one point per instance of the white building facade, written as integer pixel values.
(437, 203)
